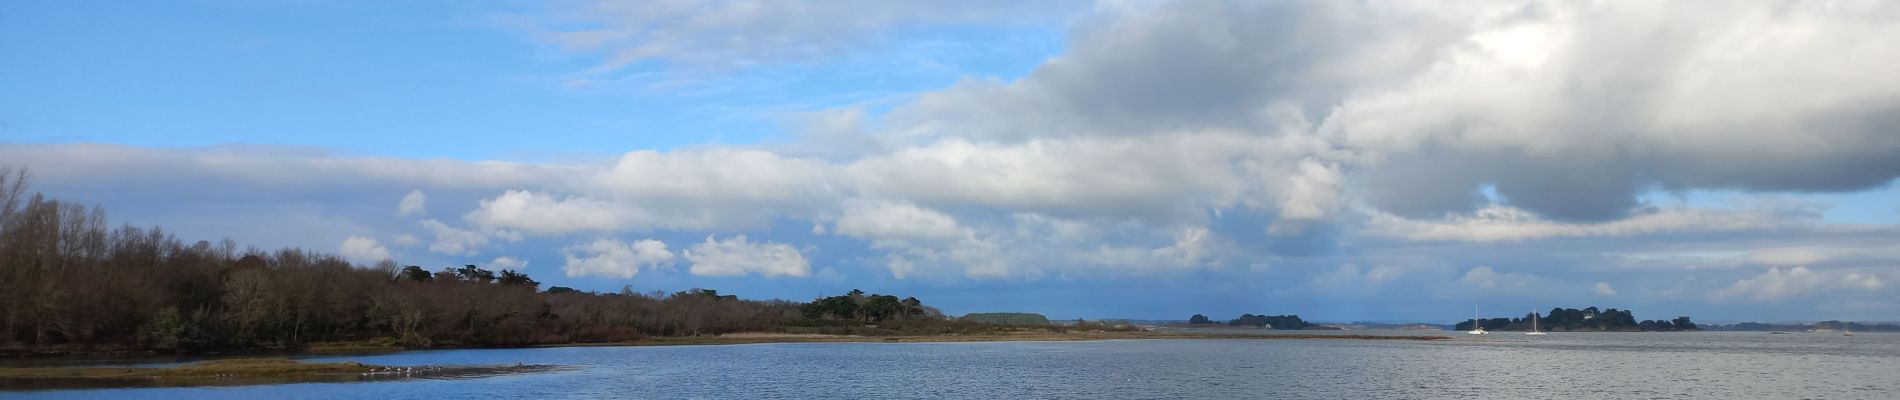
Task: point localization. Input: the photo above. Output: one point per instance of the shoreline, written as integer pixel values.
(365, 348)
(994, 337)
(239, 372)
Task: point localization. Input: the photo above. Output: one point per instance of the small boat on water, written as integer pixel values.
(1476, 325)
(1534, 331)
(1777, 333)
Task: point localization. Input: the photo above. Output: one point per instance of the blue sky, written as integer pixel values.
(1388, 162)
(428, 79)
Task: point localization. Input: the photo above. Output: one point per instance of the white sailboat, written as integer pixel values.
(1534, 331)
(1476, 325)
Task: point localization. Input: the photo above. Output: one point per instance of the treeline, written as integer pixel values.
(857, 306)
(68, 283)
(1001, 318)
(1281, 322)
(1587, 319)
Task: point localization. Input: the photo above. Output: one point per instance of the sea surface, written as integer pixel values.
(1504, 365)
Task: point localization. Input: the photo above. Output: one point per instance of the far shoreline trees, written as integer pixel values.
(1276, 322)
(1003, 318)
(1584, 320)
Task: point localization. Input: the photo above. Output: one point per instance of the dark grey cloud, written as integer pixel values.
(1569, 109)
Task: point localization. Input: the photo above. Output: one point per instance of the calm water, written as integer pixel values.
(1577, 365)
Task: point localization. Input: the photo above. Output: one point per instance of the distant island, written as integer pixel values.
(1588, 319)
(1411, 326)
(1277, 322)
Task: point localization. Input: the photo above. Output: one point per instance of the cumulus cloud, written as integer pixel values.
(1452, 98)
(453, 241)
(534, 212)
(506, 262)
(1772, 285)
(363, 250)
(704, 189)
(1800, 281)
(1168, 178)
(917, 237)
(1350, 275)
(1498, 223)
(412, 203)
(1484, 277)
(897, 224)
(613, 258)
(1192, 248)
(1603, 289)
(737, 256)
(920, 241)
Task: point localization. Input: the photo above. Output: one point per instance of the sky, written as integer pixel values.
(1345, 161)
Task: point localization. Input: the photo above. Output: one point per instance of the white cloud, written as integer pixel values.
(925, 242)
(1447, 99)
(1498, 223)
(1484, 277)
(1192, 248)
(1777, 285)
(412, 203)
(894, 224)
(1772, 285)
(1351, 280)
(407, 240)
(1786, 256)
(915, 237)
(1312, 193)
(506, 262)
(1166, 178)
(1832, 247)
(541, 213)
(363, 250)
(1853, 280)
(613, 258)
(703, 189)
(737, 256)
(453, 241)
(1603, 289)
